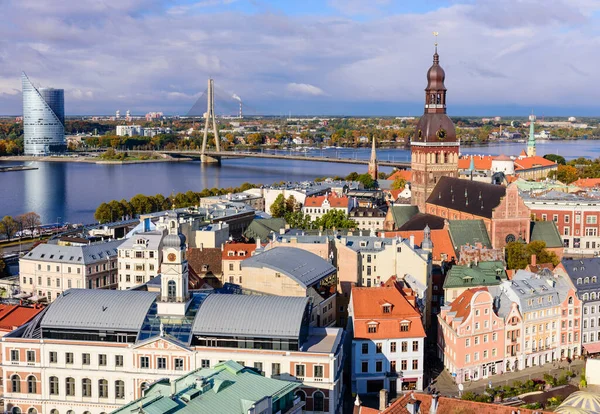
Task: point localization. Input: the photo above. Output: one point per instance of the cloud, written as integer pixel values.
(304, 89)
(356, 7)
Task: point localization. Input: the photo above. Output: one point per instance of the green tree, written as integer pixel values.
(8, 227)
(298, 220)
(516, 255)
(290, 204)
(538, 248)
(559, 159)
(398, 183)
(116, 210)
(353, 176)
(367, 181)
(103, 213)
(565, 174)
(334, 219)
(2, 267)
(141, 204)
(278, 207)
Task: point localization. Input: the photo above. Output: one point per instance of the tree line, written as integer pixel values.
(9, 225)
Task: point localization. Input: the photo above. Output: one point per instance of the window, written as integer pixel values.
(86, 387)
(392, 346)
(178, 364)
(102, 360)
(392, 366)
(69, 357)
(476, 340)
(53, 357)
(119, 389)
(144, 362)
(415, 346)
(70, 386)
(415, 364)
(15, 383)
(259, 367)
(300, 370)
(53, 385)
(404, 326)
(404, 346)
(318, 401)
(365, 348)
(161, 363)
(14, 354)
(387, 309)
(206, 363)
(467, 343)
(364, 366)
(231, 266)
(591, 219)
(31, 385)
(591, 231)
(171, 290)
(476, 356)
(485, 354)
(378, 366)
(103, 388)
(403, 364)
(373, 328)
(85, 359)
(318, 371)
(378, 347)
(275, 368)
(118, 360)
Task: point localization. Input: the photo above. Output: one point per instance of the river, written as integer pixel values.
(71, 191)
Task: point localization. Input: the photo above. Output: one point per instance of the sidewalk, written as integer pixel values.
(444, 383)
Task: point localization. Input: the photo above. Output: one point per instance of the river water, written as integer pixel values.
(70, 191)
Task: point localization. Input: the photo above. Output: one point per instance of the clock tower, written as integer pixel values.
(434, 146)
(174, 296)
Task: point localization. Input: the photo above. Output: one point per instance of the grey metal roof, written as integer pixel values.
(250, 315)
(579, 269)
(526, 285)
(304, 267)
(88, 254)
(99, 309)
(367, 243)
(152, 240)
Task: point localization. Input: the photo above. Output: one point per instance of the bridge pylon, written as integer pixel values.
(210, 116)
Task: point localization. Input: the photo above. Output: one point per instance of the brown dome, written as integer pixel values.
(436, 75)
(435, 127)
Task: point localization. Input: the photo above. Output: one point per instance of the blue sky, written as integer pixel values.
(341, 57)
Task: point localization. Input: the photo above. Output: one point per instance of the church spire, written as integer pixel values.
(531, 140)
(373, 161)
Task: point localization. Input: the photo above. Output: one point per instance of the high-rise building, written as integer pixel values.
(434, 147)
(43, 118)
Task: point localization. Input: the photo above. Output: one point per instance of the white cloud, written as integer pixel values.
(304, 89)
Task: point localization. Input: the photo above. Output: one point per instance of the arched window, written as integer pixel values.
(16, 410)
(70, 386)
(570, 300)
(301, 394)
(119, 389)
(70, 412)
(586, 280)
(579, 281)
(318, 401)
(54, 411)
(31, 385)
(593, 295)
(143, 387)
(86, 412)
(32, 411)
(103, 388)
(585, 296)
(594, 279)
(15, 383)
(86, 387)
(171, 290)
(53, 385)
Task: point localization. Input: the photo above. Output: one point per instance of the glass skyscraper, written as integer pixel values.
(43, 119)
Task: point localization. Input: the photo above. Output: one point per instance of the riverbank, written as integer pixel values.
(89, 160)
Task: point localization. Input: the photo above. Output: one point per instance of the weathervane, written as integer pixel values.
(436, 42)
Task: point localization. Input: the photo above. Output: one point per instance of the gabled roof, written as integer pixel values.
(302, 266)
(334, 201)
(420, 220)
(250, 315)
(482, 274)
(587, 182)
(472, 197)
(461, 306)
(406, 174)
(237, 251)
(402, 213)
(532, 162)
(99, 309)
(482, 162)
(206, 260)
(463, 232)
(440, 239)
(13, 316)
(582, 268)
(262, 228)
(547, 232)
(367, 308)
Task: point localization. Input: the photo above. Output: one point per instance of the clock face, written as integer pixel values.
(441, 134)
(171, 257)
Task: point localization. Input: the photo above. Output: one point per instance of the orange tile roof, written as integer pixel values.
(406, 174)
(462, 304)
(334, 201)
(587, 182)
(442, 244)
(532, 162)
(452, 406)
(245, 248)
(482, 162)
(13, 316)
(367, 304)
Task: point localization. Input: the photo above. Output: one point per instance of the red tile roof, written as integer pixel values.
(452, 406)
(13, 316)
(367, 305)
(406, 174)
(462, 304)
(482, 162)
(440, 238)
(240, 251)
(334, 201)
(587, 182)
(532, 162)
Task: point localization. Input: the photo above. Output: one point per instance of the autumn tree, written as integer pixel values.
(8, 227)
(565, 174)
(518, 255)
(398, 183)
(29, 221)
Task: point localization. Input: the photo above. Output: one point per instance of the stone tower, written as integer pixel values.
(434, 146)
(531, 140)
(373, 162)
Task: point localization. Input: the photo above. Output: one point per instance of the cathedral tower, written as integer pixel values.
(373, 162)
(531, 140)
(434, 146)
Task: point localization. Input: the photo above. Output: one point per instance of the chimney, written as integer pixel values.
(411, 241)
(173, 389)
(383, 399)
(258, 242)
(533, 260)
(434, 404)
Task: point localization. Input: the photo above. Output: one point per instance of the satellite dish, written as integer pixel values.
(461, 387)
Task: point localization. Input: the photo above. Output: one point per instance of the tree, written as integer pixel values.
(8, 227)
(559, 159)
(518, 255)
(367, 181)
(141, 204)
(353, 176)
(565, 174)
(29, 221)
(538, 248)
(334, 219)
(290, 204)
(298, 220)
(2, 267)
(103, 213)
(278, 207)
(398, 183)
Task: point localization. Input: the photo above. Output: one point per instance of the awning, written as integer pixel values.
(410, 379)
(592, 348)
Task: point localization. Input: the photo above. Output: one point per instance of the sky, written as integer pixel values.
(304, 57)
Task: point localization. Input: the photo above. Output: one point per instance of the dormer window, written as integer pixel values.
(363, 244)
(579, 281)
(230, 253)
(241, 253)
(372, 327)
(387, 308)
(404, 326)
(205, 268)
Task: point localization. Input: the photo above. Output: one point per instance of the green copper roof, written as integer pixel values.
(463, 232)
(402, 213)
(228, 388)
(262, 228)
(482, 274)
(546, 231)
